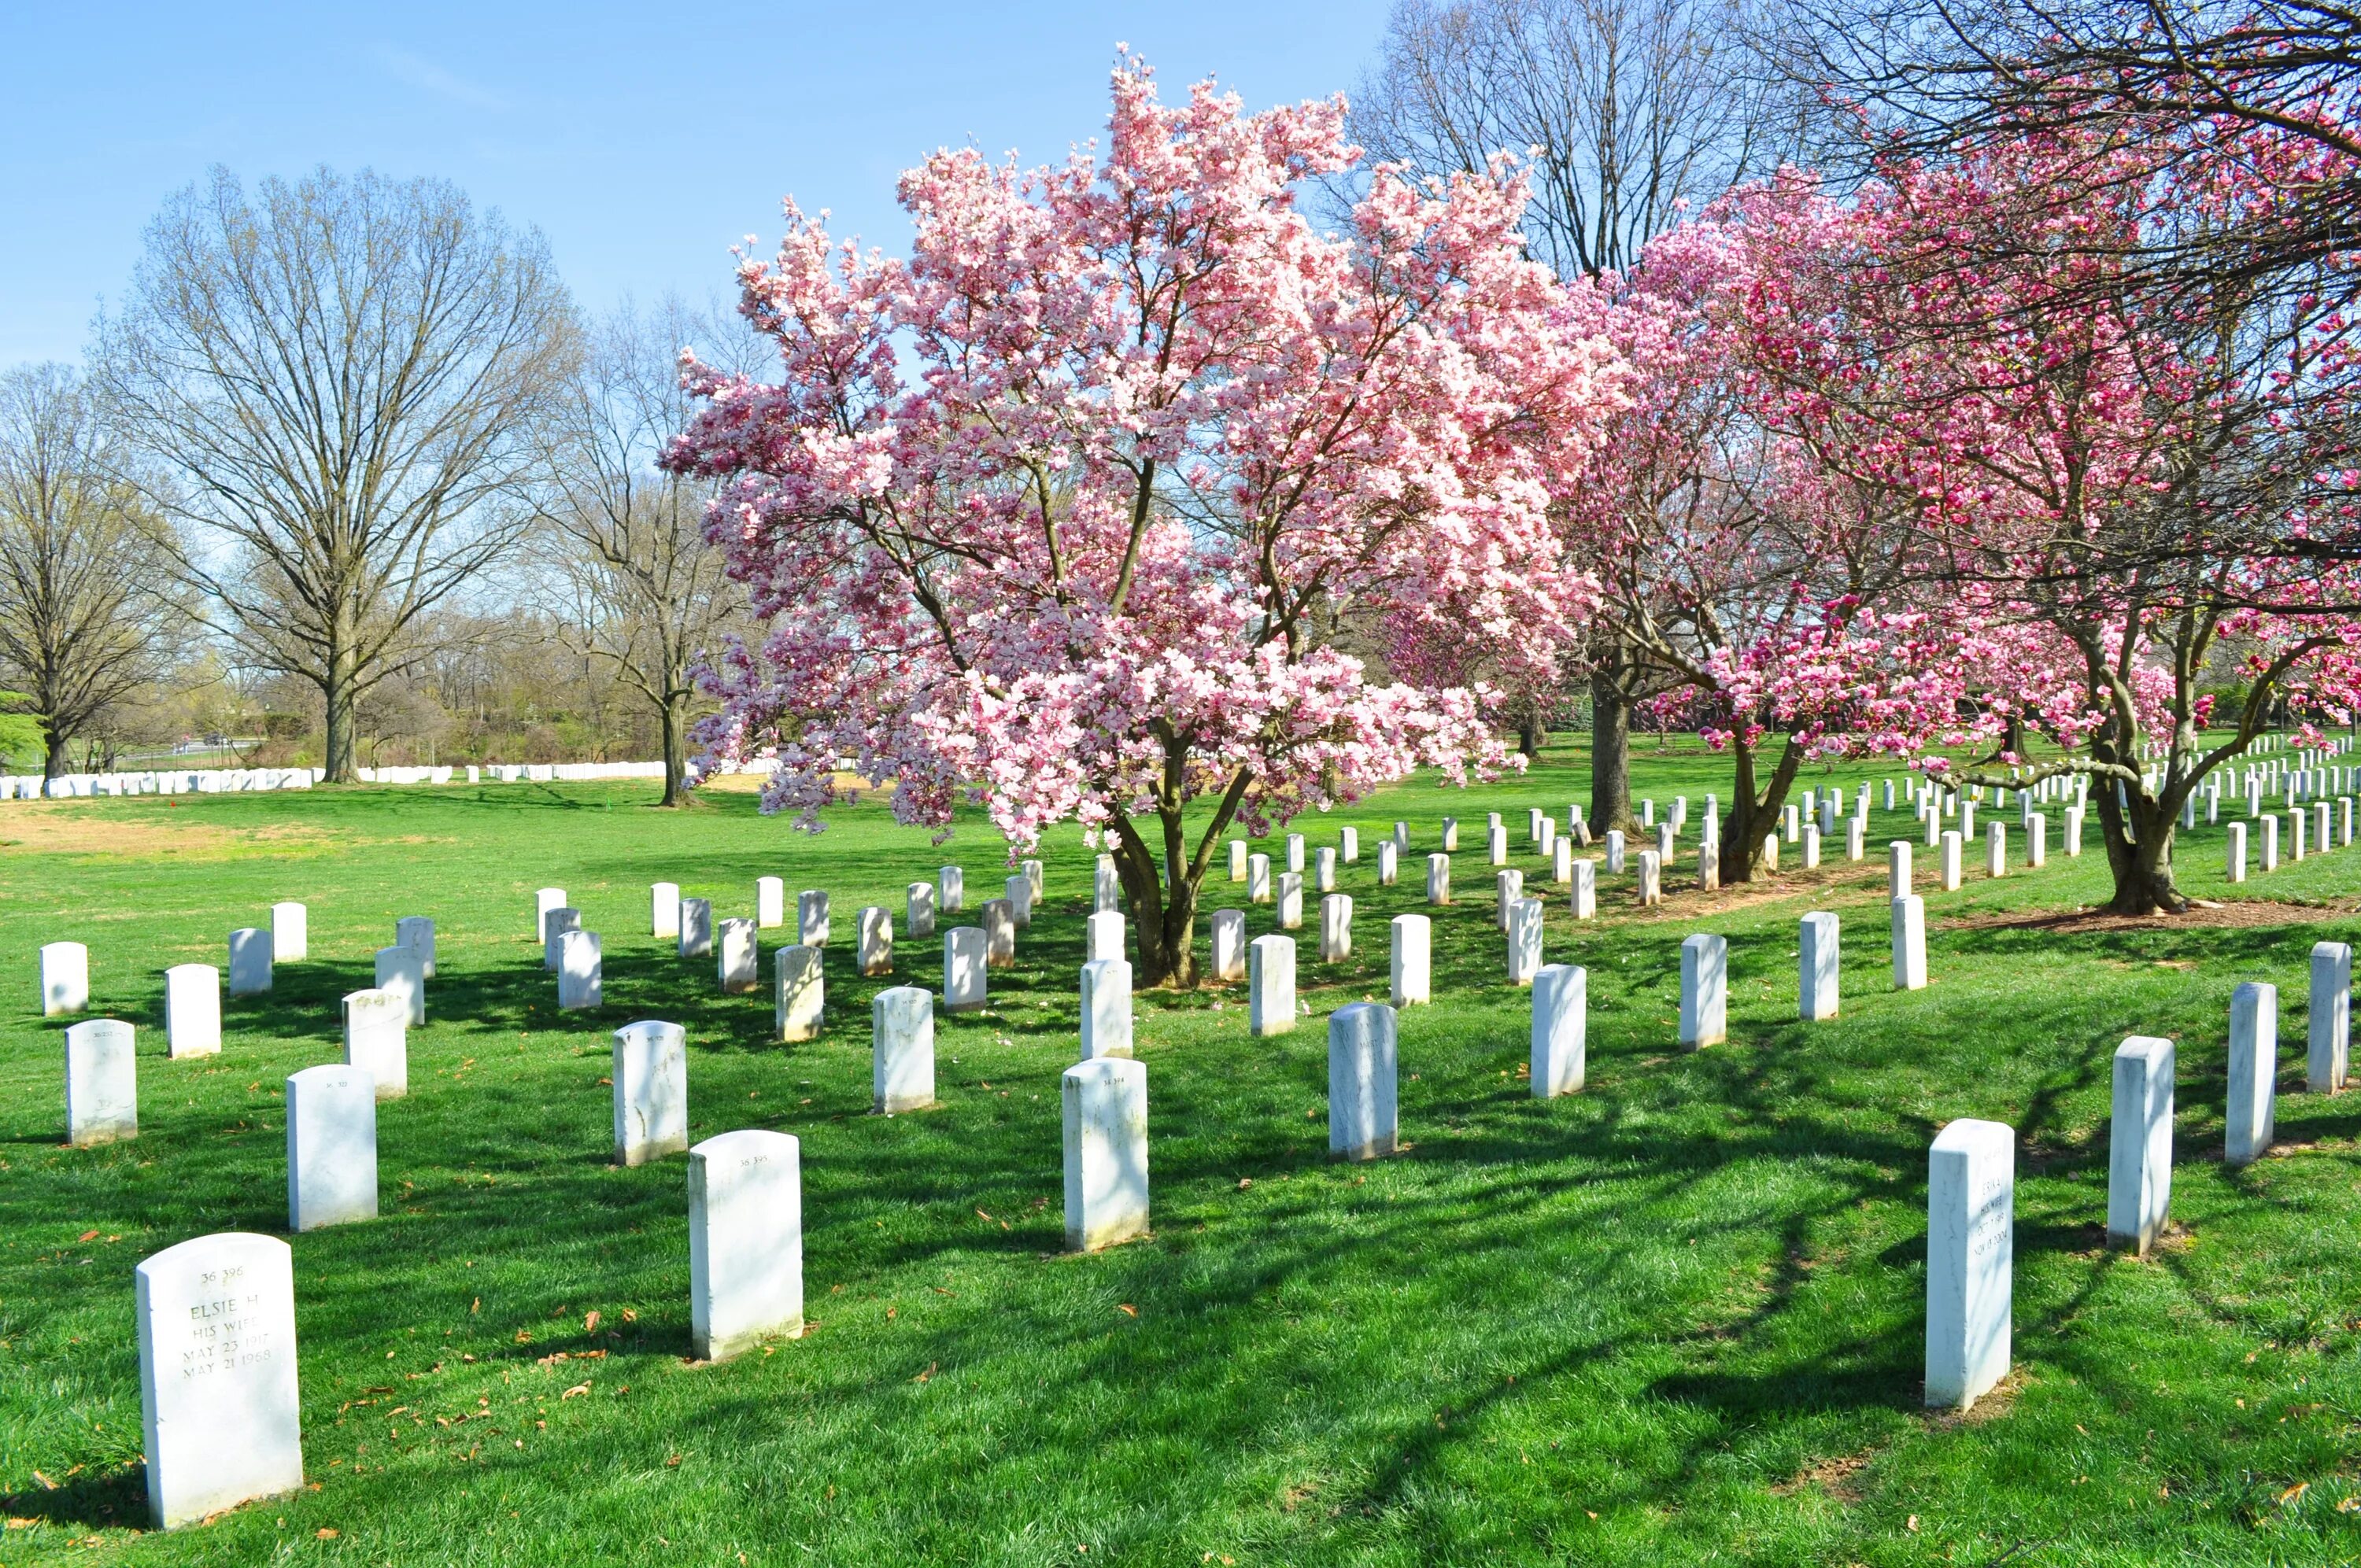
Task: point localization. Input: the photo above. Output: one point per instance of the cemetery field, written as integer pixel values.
(1675, 1316)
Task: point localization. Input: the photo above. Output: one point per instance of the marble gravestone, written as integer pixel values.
(745, 1242)
(651, 1082)
(192, 1010)
(101, 1083)
(376, 1039)
(902, 1049)
(1970, 1252)
(331, 1147)
(1105, 1106)
(217, 1388)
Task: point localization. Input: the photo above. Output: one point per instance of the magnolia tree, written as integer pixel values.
(1767, 594)
(1131, 497)
(2118, 486)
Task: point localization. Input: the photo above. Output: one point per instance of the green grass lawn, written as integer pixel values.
(1673, 1319)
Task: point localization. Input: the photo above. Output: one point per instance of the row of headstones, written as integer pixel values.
(225, 781)
(102, 1056)
(2315, 817)
(1970, 1172)
(219, 1311)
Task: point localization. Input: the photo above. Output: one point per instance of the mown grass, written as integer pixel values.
(1674, 1318)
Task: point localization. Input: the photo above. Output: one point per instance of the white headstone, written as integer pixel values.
(1102, 936)
(1614, 851)
(1271, 986)
(1323, 871)
(1413, 942)
(1648, 886)
(2139, 1146)
(1018, 891)
(745, 1242)
(1450, 835)
(1507, 888)
(1525, 941)
(1818, 967)
(1561, 1030)
(544, 900)
(217, 1390)
(1389, 862)
(416, 932)
(663, 909)
(398, 971)
(1104, 1102)
(798, 993)
(695, 927)
(963, 969)
(951, 883)
(2234, 857)
(738, 963)
(102, 1082)
(1364, 1121)
(999, 933)
(331, 1147)
(918, 909)
(290, 933)
(1708, 865)
(1995, 848)
(1107, 1008)
(1336, 927)
(1291, 901)
(1909, 943)
(1238, 853)
(376, 1039)
(1348, 844)
(1585, 898)
(874, 941)
(1438, 879)
(1032, 870)
(770, 902)
(902, 1049)
(651, 1080)
(2248, 1114)
(65, 979)
(554, 923)
(2328, 1044)
(1229, 944)
(1970, 1257)
(1951, 862)
(249, 962)
(192, 1010)
(581, 976)
(1704, 990)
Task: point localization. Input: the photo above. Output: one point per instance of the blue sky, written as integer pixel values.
(643, 142)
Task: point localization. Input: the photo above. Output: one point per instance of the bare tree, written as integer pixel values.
(623, 542)
(1626, 113)
(343, 375)
(87, 566)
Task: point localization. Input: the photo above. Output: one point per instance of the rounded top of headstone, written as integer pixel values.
(1101, 1069)
(747, 1144)
(1971, 1136)
(96, 1029)
(655, 1027)
(192, 969)
(335, 1076)
(203, 1254)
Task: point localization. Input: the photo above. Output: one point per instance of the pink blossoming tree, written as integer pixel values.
(2120, 487)
(1130, 497)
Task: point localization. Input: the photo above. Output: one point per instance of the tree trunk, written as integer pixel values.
(338, 690)
(669, 717)
(2137, 833)
(1531, 734)
(55, 760)
(1163, 919)
(1754, 816)
(1610, 746)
